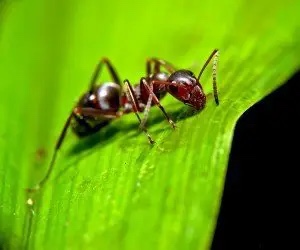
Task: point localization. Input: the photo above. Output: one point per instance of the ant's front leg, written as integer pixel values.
(155, 99)
(133, 99)
(147, 107)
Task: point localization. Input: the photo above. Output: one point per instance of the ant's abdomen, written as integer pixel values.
(87, 126)
(106, 98)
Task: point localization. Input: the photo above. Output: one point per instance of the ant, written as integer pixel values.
(182, 84)
(103, 103)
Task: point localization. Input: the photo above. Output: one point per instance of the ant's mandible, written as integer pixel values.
(105, 102)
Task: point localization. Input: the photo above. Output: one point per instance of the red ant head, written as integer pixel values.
(184, 86)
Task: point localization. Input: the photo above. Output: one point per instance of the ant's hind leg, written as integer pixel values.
(156, 66)
(111, 70)
(29, 200)
(52, 162)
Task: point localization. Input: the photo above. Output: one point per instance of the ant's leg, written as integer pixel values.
(97, 113)
(157, 63)
(76, 111)
(57, 147)
(132, 97)
(215, 55)
(156, 101)
(156, 69)
(111, 70)
(147, 107)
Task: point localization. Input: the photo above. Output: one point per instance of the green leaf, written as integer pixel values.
(113, 190)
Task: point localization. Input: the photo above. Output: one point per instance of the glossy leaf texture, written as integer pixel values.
(113, 190)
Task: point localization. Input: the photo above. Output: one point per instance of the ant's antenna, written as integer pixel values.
(214, 54)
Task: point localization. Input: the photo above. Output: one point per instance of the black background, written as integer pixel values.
(258, 209)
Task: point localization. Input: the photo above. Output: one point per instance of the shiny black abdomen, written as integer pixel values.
(105, 98)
